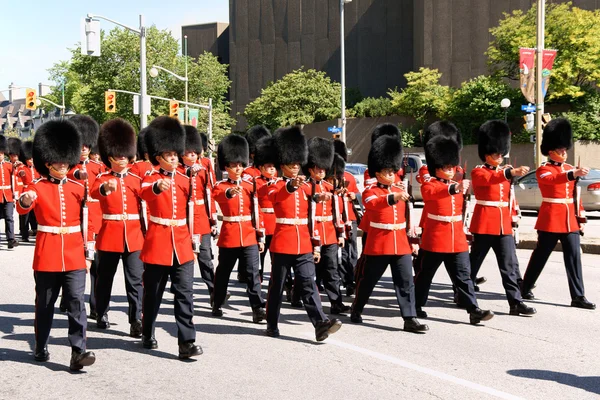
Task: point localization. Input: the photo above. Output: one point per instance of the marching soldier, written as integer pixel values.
(28, 175)
(142, 166)
(14, 149)
(207, 163)
(120, 236)
(167, 251)
(59, 259)
(86, 172)
(379, 131)
(7, 189)
(491, 224)
(443, 238)
(200, 189)
(320, 160)
(387, 243)
(560, 217)
(242, 234)
(292, 246)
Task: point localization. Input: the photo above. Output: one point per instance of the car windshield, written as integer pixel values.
(593, 175)
(356, 169)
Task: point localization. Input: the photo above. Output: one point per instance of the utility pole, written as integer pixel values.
(539, 95)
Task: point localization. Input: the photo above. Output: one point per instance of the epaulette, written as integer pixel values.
(221, 181)
(248, 178)
(134, 175)
(180, 174)
(103, 173)
(328, 184)
(480, 166)
(75, 182)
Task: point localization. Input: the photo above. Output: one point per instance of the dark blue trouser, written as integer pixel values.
(7, 209)
(249, 260)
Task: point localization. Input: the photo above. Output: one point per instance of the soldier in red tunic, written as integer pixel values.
(320, 160)
(387, 243)
(59, 259)
(14, 149)
(142, 165)
(7, 188)
(560, 217)
(28, 174)
(167, 251)
(443, 238)
(242, 232)
(292, 246)
(120, 236)
(491, 224)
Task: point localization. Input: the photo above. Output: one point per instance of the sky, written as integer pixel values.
(38, 33)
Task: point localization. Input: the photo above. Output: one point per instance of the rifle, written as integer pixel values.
(413, 238)
(260, 233)
(512, 202)
(312, 207)
(89, 246)
(212, 218)
(465, 209)
(581, 219)
(190, 211)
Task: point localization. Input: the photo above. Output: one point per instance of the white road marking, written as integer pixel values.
(423, 370)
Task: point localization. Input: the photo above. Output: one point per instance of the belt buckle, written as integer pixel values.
(124, 217)
(172, 222)
(63, 230)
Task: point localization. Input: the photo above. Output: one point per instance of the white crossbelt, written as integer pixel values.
(59, 230)
(5, 187)
(239, 218)
(199, 202)
(292, 221)
(492, 203)
(268, 210)
(120, 217)
(168, 222)
(324, 219)
(389, 227)
(93, 201)
(557, 201)
(445, 218)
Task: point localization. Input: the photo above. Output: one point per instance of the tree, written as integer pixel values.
(574, 32)
(87, 78)
(300, 97)
(423, 96)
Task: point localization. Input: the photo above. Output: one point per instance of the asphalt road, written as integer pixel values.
(553, 355)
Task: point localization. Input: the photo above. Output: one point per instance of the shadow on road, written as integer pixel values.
(588, 383)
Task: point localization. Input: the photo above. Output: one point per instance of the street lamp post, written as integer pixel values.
(505, 103)
(343, 67)
(154, 74)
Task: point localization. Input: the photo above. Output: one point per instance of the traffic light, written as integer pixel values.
(173, 108)
(30, 99)
(337, 136)
(110, 102)
(529, 124)
(545, 119)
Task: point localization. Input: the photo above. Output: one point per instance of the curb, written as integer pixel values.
(588, 245)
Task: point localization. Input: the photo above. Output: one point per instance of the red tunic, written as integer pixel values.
(170, 236)
(28, 174)
(443, 230)
(58, 205)
(199, 182)
(6, 185)
(251, 171)
(263, 185)
(387, 225)
(291, 235)
(324, 218)
(353, 189)
(141, 168)
(492, 214)
(93, 169)
(206, 163)
(121, 225)
(556, 184)
(237, 229)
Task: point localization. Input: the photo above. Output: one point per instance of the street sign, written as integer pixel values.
(529, 108)
(334, 129)
(532, 138)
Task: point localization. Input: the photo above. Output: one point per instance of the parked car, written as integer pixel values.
(529, 197)
(358, 171)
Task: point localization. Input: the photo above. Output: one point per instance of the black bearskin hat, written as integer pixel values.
(266, 152)
(56, 142)
(88, 129)
(204, 137)
(164, 134)
(193, 141)
(291, 145)
(254, 134)
(3, 145)
(26, 150)
(142, 149)
(320, 154)
(337, 168)
(14, 145)
(441, 151)
(232, 149)
(386, 152)
(442, 128)
(384, 130)
(494, 137)
(340, 148)
(557, 134)
(116, 139)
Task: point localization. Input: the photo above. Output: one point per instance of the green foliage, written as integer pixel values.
(409, 135)
(353, 96)
(477, 101)
(574, 32)
(373, 107)
(11, 132)
(87, 78)
(300, 97)
(423, 96)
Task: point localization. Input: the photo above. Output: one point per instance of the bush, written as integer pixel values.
(373, 107)
(408, 135)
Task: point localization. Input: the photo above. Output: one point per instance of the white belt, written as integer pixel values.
(292, 221)
(557, 201)
(268, 210)
(324, 219)
(5, 187)
(120, 217)
(492, 203)
(445, 218)
(168, 222)
(199, 202)
(59, 230)
(388, 227)
(240, 218)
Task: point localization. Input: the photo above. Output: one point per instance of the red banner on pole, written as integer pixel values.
(548, 57)
(527, 73)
